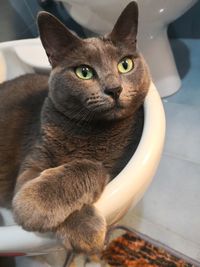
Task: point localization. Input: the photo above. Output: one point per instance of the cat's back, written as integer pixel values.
(25, 88)
(21, 100)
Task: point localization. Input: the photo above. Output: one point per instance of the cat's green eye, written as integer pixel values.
(125, 65)
(84, 72)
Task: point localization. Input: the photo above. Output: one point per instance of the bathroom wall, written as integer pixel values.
(17, 20)
(188, 25)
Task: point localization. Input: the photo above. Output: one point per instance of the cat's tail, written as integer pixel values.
(84, 230)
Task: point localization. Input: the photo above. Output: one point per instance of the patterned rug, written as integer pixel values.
(134, 250)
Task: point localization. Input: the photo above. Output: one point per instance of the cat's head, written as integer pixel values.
(103, 78)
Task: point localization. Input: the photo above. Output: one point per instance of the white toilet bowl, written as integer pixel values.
(155, 15)
(27, 56)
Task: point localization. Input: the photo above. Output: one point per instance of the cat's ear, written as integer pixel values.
(126, 27)
(57, 39)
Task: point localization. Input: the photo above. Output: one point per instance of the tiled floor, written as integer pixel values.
(170, 210)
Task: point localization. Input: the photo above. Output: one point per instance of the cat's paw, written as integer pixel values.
(36, 208)
(45, 202)
(84, 230)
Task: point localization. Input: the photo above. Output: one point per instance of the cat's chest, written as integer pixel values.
(96, 146)
(104, 146)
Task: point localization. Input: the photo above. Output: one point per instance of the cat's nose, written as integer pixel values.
(114, 92)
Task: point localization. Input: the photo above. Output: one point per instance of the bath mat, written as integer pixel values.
(133, 250)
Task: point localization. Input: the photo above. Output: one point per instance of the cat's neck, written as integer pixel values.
(54, 117)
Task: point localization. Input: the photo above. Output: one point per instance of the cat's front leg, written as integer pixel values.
(47, 200)
(83, 231)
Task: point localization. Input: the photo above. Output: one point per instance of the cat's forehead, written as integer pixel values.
(99, 50)
(101, 46)
(105, 45)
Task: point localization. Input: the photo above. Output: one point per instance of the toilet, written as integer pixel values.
(154, 17)
(121, 194)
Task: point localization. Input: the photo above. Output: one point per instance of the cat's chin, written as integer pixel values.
(112, 114)
(113, 111)
(117, 115)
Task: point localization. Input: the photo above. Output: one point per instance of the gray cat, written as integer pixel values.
(63, 138)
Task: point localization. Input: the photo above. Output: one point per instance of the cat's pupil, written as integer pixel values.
(125, 64)
(85, 71)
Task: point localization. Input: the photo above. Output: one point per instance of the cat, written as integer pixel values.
(64, 137)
